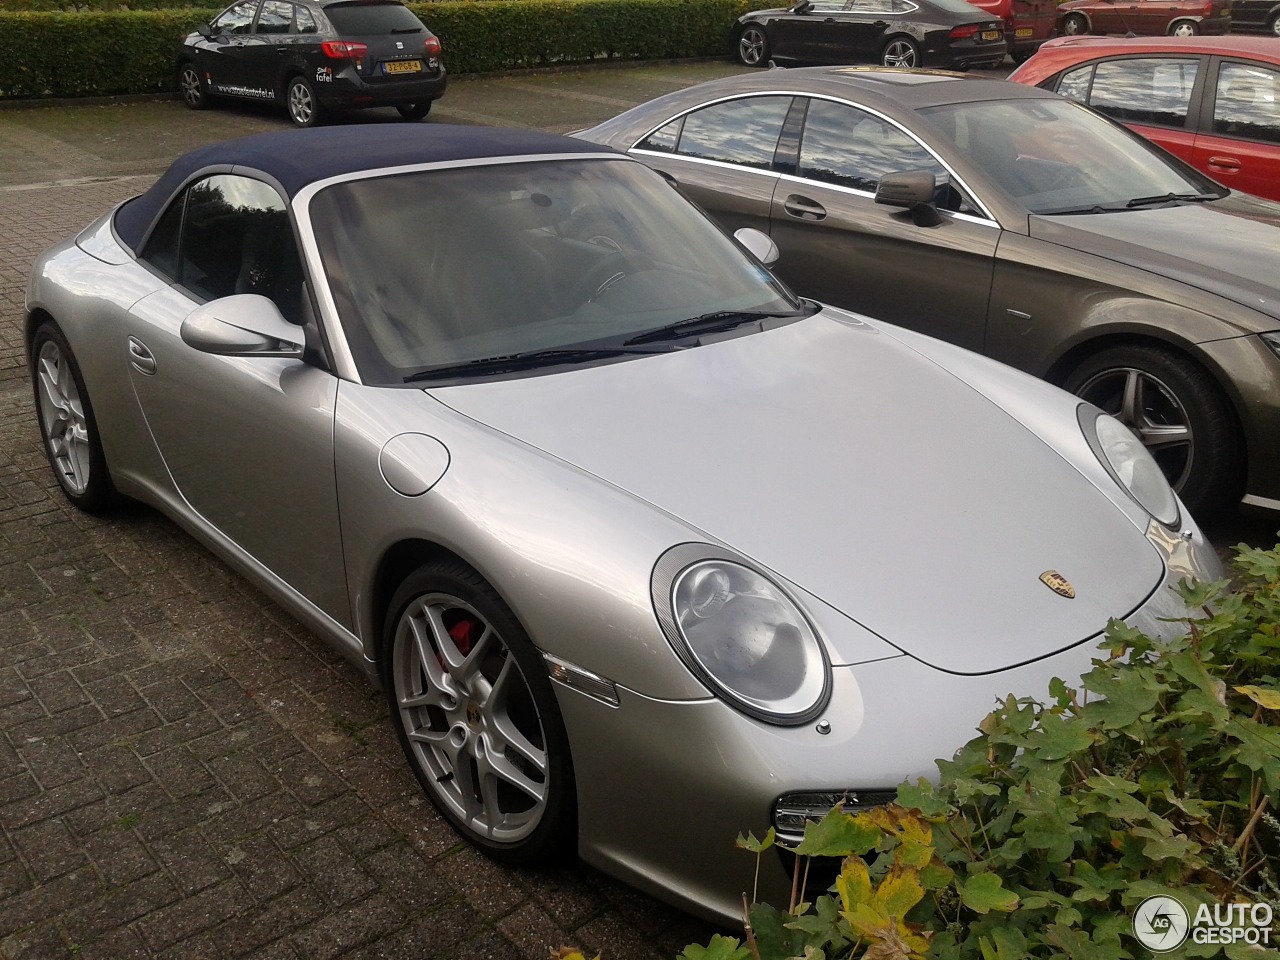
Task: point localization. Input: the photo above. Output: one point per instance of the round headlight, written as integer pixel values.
(743, 635)
(1130, 463)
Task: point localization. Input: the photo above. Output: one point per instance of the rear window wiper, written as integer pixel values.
(1170, 198)
(489, 366)
(706, 323)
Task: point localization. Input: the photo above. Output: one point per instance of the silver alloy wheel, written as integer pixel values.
(192, 89)
(1274, 25)
(1148, 407)
(470, 718)
(302, 106)
(751, 46)
(899, 53)
(62, 415)
(1183, 28)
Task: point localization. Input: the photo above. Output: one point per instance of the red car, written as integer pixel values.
(1027, 23)
(1215, 103)
(1148, 18)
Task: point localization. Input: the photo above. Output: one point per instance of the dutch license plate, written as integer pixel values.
(1023, 32)
(990, 34)
(402, 66)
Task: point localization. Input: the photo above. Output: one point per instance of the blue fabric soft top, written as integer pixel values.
(296, 158)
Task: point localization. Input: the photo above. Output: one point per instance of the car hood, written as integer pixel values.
(832, 453)
(1233, 255)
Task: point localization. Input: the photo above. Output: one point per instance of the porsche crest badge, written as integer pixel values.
(1058, 584)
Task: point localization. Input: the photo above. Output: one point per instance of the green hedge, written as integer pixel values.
(67, 54)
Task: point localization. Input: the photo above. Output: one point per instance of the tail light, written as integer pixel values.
(432, 46)
(344, 50)
(964, 32)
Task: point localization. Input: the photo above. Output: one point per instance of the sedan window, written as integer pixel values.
(743, 132)
(305, 21)
(1248, 102)
(853, 148)
(237, 18)
(1154, 90)
(1056, 157)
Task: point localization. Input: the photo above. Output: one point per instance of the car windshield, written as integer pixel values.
(442, 268)
(365, 19)
(1058, 157)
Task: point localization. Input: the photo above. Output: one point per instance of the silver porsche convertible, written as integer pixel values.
(643, 549)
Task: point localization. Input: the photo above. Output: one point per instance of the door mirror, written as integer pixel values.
(244, 325)
(913, 190)
(802, 6)
(205, 30)
(759, 245)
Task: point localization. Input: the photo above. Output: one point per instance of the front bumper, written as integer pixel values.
(664, 787)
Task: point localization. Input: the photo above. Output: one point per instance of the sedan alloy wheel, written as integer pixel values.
(476, 715)
(304, 109)
(1075, 25)
(753, 46)
(900, 52)
(1183, 28)
(192, 87)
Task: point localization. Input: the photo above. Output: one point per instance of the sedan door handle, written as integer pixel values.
(1225, 163)
(141, 358)
(879, 23)
(804, 208)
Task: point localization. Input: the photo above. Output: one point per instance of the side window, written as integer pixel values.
(664, 139)
(236, 238)
(744, 132)
(1074, 84)
(306, 23)
(1155, 91)
(237, 18)
(161, 249)
(276, 17)
(1247, 101)
(852, 148)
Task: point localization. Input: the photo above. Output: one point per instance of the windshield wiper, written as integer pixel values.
(489, 366)
(1170, 198)
(706, 323)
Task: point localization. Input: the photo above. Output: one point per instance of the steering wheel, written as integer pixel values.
(604, 273)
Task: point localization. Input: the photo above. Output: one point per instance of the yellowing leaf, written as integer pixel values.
(854, 883)
(900, 890)
(1263, 696)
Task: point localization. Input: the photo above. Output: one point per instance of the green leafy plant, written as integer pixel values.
(1158, 774)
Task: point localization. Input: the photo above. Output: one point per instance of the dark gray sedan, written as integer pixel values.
(1010, 221)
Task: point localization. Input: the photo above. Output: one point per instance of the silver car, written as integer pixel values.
(643, 549)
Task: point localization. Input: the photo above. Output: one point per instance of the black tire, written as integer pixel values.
(413, 111)
(1169, 392)
(192, 87)
(753, 45)
(448, 611)
(1184, 28)
(67, 424)
(301, 103)
(900, 51)
(1074, 25)
(1273, 25)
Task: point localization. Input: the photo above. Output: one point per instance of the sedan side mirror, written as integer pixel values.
(802, 6)
(244, 325)
(205, 30)
(914, 190)
(760, 245)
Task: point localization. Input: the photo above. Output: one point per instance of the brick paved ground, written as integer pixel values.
(184, 770)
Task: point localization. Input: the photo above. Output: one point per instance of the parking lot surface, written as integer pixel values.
(184, 770)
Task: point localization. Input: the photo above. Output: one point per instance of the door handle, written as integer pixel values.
(804, 208)
(140, 358)
(1225, 163)
(879, 23)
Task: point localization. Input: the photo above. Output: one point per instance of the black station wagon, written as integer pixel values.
(313, 55)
